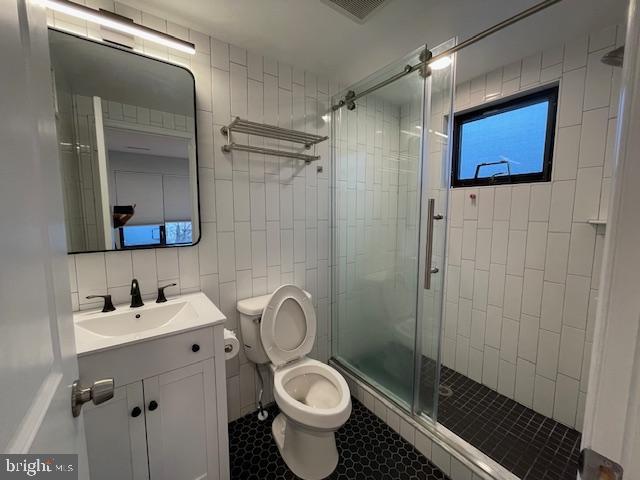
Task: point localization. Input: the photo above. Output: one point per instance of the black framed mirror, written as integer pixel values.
(126, 128)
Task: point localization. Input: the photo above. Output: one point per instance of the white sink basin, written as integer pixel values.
(135, 320)
(99, 331)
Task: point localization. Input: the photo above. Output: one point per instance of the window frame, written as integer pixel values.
(162, 241)
(549, 93)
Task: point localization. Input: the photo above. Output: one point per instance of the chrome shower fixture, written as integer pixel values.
(614, 57)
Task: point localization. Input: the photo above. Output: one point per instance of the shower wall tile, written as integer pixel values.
(544, 396)
(542, 256)
(572, 98)
(552, 305)
(575, 53)
(506, 378)
(490, 367)
(248, 202)
(602, 39)
(566, 400)
(565, 165)
(497, 274)
(561, 210)
(572, 346)
(598, 84)
(557, 257)
(536, 245)
(525, 377)
(548, 348)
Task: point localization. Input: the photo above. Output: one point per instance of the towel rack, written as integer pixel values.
(240, 125)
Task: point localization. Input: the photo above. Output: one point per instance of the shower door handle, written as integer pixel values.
(429, 269)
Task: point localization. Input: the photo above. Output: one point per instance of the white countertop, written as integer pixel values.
(192, 311)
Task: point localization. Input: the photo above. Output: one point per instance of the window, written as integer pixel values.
(506, 142)
(171, 233)
(140, 235)
(178, 232)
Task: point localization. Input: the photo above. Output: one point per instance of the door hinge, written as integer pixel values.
(594, 466)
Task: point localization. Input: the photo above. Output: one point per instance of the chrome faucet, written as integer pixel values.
(136, 298)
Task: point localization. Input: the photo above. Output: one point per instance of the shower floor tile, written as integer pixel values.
(368, 448)
(530, 445)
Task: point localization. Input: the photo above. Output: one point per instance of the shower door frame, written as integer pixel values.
(424, 235)
(411, 408)
(447, 440)
(415, 182)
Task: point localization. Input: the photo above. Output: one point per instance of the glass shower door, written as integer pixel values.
(377, 193)
(390, 187)
(435, 193)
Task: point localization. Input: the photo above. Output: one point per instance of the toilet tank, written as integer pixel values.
(250, 310)
(250, 314)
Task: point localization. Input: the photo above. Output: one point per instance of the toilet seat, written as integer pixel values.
(288, 325)
(313, 398)
(313, 394)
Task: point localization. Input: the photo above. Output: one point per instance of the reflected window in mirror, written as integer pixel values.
(127, 142)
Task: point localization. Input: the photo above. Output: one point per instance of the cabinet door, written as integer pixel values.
(182, 423)
(116, 441)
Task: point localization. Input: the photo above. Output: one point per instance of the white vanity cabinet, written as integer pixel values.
(167, 420)
(116, 439)
(182, 430)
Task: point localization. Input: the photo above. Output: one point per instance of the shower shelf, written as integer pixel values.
(597, 221)
(239, 125)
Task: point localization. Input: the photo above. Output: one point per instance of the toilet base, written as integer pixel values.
(310, 454)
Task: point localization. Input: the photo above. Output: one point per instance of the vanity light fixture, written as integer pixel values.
(120, 24)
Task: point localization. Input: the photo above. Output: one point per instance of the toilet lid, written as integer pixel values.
(288, 326)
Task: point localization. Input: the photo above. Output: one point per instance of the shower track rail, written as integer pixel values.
(239, 125)
(426, 58)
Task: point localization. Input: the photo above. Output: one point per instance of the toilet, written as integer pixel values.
(314, 400)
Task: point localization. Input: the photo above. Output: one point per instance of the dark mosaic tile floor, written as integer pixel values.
(530, 445)
(368, 449)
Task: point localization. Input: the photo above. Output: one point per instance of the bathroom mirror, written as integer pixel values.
(127, 143)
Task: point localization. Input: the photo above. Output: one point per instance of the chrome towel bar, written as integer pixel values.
(268, 151)
(263, 130)
(278, 133)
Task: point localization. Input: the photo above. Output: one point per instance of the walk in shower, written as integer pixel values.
(503, 364)
(390, 189)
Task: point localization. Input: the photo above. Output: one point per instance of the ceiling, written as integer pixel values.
(132, 141)
(312, 35)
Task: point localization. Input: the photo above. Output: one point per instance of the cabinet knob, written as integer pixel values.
(195, 348)
(136, 412)
(153, 405)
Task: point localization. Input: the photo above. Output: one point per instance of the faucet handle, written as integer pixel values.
(108, 304)
(161, 297)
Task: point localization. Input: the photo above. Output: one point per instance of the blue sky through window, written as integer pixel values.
(517, 136)
(139, 235)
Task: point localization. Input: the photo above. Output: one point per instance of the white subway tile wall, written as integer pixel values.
(265, 220)
(534, 242)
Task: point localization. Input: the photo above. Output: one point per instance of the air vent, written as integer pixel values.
(357, 10)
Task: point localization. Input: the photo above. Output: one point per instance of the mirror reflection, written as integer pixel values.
(127, 140)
